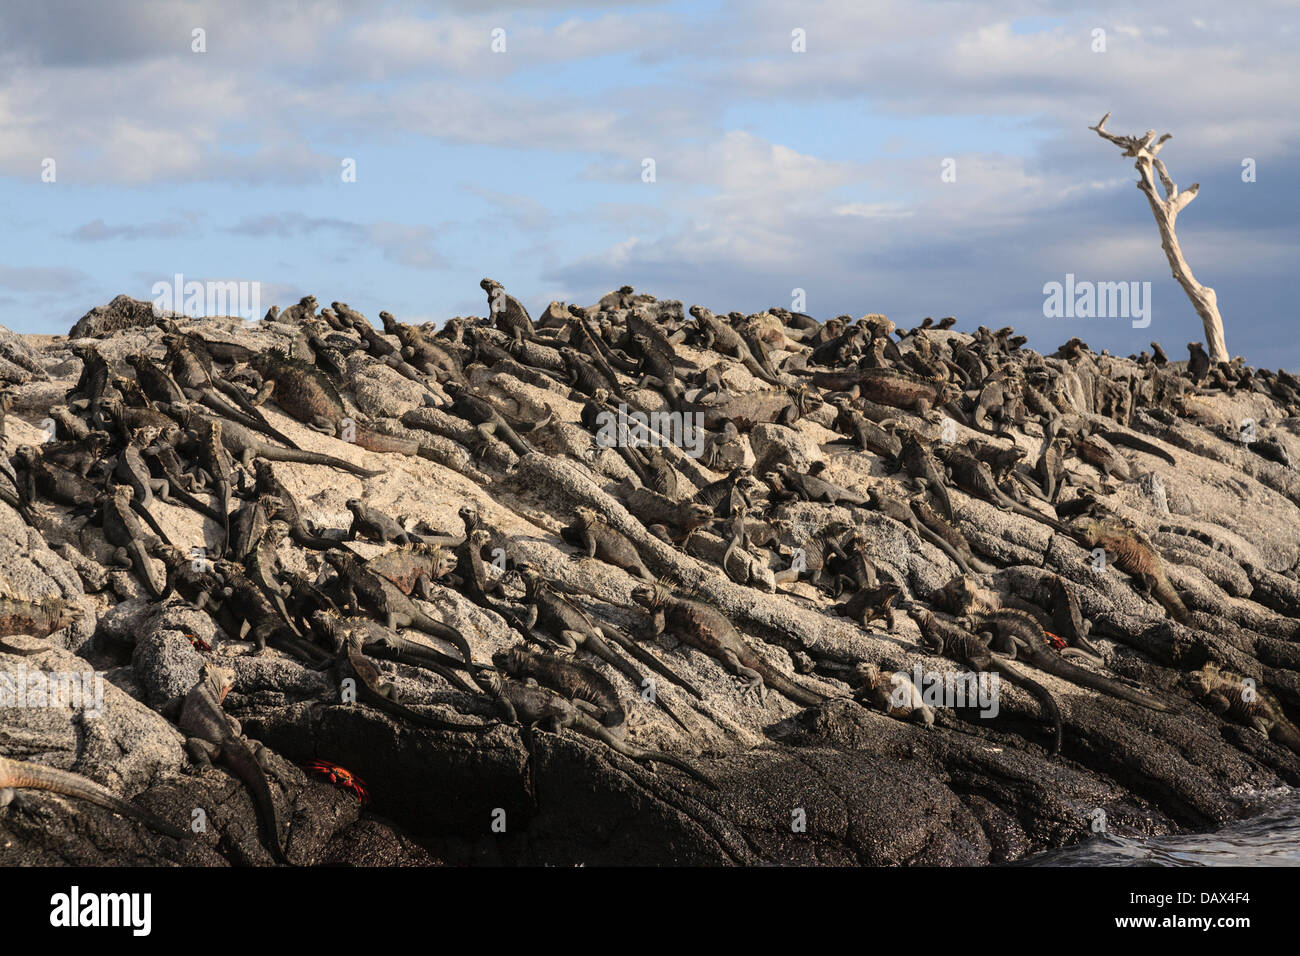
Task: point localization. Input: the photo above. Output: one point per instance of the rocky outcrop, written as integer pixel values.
(836, 783)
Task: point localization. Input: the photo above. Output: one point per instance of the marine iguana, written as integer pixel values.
(677, 519)
(40, 617)
(372, 688)
(123, 530)
(1030, 643)
(581, 684)
(213, 735)
(244, 445)
(706, 629)
(265, 484)
(374, 525)
(1132, 553)
(893, 694)
(786, 481)
(871, 603)
(336, 628)
(221, 467)
(954, 641)
(23, 775)
(531, 704)
(388, 601)
(1230, 695)
(508, 313)
(976, 478)
(245, 608)
(593, 534)
(919, 465)
(413, 568)
(571, 628)
(306, 393)
(863, 432)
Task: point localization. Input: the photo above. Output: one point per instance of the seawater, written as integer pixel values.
(1271, 838)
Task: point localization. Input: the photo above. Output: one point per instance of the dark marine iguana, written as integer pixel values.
(244, 445)
(579, 683)
(954, 641)
(530, 704)
(706, 629)
(571, 628)
(371, 687)
(306, 393)
(213, 735)
(1029, 642)
(335, 628)
(388, 601)
(599, 540)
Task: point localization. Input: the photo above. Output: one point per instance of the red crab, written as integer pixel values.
(199, 642)
(1057, 642)
(342, 778)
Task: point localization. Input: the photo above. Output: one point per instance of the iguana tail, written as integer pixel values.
(240, 759)
(1286, 734)
(140, 558)
(1085, 678)
(648, 659)
(940, 492)
(593, 729)
(1043, 695)
(1137, 444)
(16, 774)
(372, 440)
(1164, 592)
(1020, 509)
(783, 685)
(398, 709)
(315, 458)
(443, 632)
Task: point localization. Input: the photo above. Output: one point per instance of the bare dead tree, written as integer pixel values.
(1166, 211)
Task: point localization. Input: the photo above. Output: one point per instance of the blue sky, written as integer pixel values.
(775, 170)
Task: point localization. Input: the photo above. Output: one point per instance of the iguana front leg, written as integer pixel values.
(753, 679)
(201, 752)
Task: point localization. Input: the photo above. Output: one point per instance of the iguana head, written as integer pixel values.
(489, 679)
(649, 596)
(219, 679)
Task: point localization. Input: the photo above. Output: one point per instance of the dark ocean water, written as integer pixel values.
(1270, 839)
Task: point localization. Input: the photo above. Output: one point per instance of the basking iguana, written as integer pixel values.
(1133, 553)
(527, 705)
(706, 629)
(213, 735)
(956, 642)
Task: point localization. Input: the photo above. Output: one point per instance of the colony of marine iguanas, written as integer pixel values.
(948, 425)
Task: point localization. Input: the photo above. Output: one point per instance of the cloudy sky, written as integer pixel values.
(775, 169)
